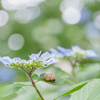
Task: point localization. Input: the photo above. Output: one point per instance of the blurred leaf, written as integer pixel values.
(55, 70)
(35, 76)
(72, 89)
(13, 88)
(91, 91)
(51, 95)
(68, 80)
(9, 89)
(87, 72)
(90, 71)
(58, 81)
(28, 93)
(23, 83)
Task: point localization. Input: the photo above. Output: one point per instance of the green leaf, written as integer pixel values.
(9, 89)
(29, 93)
(35, 76)
(69, 81)
(25, 91)
(23, 83)
(88, 72)
(58, 81)
(72, 89)
(91, 91)
(13, 88)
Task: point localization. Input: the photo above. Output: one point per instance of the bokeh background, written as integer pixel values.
(28, 26)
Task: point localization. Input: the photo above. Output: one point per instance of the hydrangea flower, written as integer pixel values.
(76, 51)
(66, 52)
(56, 54)
(13, 63)
(90, 53)
(35, 61)
(84, 53)
(76, 54)
(35, 56)
(45, 58)
(6, 60)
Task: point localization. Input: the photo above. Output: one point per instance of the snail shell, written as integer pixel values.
(49, 76)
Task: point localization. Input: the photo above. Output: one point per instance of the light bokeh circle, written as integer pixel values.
(16, 42)
(3, 17)
(71, 15)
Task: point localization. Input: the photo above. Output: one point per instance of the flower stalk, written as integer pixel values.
(73, 71)
(73, 55)
(33, 83)
(29, 66)
(74, 75)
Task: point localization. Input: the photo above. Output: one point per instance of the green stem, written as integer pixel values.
(74, 75)
(25, 70)
(73, 72)
(33, 83)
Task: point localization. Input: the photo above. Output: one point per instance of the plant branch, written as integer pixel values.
(32, 70)
(73, 72)
(74, 75)
(33, 83)
(25, 70)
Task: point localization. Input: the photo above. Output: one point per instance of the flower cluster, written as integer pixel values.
(56, 54)
(73, 54)
(39, 60)
(35, 61)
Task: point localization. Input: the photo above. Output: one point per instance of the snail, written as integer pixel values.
(49, 76)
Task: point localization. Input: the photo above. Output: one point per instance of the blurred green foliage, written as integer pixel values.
(47, 31)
